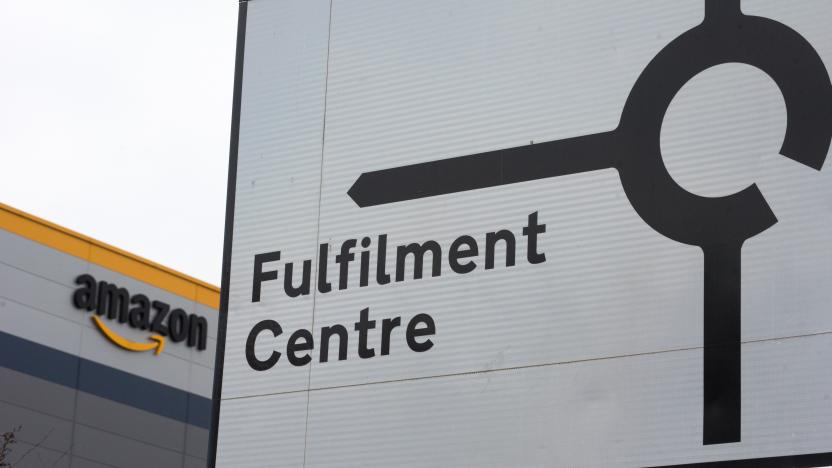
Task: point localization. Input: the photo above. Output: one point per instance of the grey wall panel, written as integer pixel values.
(26, 455)
(39, 293)
(123, 452)
(41, 327)
(37, 394)
(54, 367)
(199, 411)
(196, 441)
(37, 428)
(200, 380)
(278, 175)
(128, 421)
(207, 356)
(193, 462)
(39, 259)
(126, 388)
(39, 361)
(80, 462)
(262, 431)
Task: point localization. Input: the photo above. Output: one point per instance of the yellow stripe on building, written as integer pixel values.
(105, 255)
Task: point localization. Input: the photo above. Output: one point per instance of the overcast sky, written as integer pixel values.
(114, 121)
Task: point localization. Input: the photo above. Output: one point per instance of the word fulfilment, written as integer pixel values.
(461, 256)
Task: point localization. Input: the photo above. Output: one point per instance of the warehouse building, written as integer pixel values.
(106, 359)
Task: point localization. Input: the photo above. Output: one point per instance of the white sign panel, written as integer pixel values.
(528, 233)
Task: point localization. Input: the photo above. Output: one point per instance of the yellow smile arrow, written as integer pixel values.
(159, 340)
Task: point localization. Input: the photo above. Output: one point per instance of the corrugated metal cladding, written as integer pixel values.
(591, 358)
(80, 400)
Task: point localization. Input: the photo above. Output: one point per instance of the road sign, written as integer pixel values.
(528, 234)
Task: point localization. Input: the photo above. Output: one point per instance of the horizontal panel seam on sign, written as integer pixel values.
(318, 221)
(529, 366)
(107, 256)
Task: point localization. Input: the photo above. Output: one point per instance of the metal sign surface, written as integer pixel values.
(528, 233)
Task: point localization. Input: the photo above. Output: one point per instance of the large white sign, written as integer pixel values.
(528, 233)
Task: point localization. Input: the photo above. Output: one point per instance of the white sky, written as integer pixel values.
(115, 118)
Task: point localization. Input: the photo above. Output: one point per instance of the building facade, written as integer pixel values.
(106, 359)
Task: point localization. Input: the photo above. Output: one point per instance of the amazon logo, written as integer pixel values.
(117, 305)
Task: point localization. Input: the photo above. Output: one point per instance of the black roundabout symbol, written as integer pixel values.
(718, 225)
